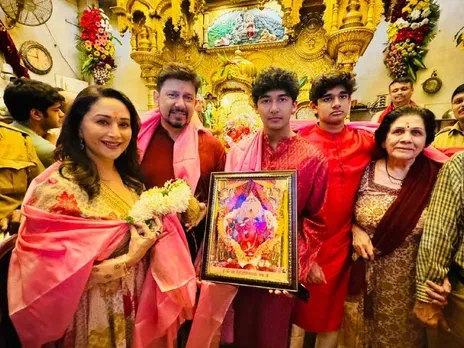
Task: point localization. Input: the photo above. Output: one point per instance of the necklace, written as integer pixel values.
(392, 178)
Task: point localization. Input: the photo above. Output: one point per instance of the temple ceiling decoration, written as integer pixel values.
(228, 42)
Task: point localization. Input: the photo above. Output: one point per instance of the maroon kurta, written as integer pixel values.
(348, 153)
(262, 320)
(157, 168)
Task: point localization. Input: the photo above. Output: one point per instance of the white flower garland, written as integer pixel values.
(173, 197)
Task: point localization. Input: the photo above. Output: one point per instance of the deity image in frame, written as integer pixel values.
(251, 232)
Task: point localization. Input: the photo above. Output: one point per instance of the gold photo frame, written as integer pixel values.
(251, 232)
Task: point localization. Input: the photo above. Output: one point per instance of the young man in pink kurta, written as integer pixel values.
(262, 319)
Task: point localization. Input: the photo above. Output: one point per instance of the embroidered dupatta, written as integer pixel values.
(52, 261)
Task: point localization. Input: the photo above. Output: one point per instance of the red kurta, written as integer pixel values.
(262, 320)
(157, 168)
(348, 154)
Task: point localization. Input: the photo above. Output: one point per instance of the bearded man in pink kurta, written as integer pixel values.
(262, 319)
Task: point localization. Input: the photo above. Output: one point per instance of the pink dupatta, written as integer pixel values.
(430, 151)
(52, 262)
(215, 299)
(186, 161)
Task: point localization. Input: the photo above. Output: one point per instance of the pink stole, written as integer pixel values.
(186, 161)
(215, 299)
(52, 262)
(450, 151)
(430, 151)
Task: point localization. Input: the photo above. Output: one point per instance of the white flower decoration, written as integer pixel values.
(415, 14)
(415, 25)
(173, 197)
(426, 12)
(401, 23)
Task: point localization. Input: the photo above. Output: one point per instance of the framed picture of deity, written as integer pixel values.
(251, 230)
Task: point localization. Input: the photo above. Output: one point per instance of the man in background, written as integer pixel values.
(19, 164)
(400, 91)
(451, 139)
(36, 108)
(441, 254)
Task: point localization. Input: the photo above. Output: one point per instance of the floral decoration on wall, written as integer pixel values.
(95, 44)
(412, 27)
(459, 38)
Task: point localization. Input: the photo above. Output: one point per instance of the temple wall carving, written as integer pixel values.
(228, 42)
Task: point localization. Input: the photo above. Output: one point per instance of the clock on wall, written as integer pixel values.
(36, 57)
(433, 84)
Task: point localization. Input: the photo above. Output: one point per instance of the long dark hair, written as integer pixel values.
(76, 163)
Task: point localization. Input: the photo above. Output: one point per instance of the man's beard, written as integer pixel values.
(174, 123)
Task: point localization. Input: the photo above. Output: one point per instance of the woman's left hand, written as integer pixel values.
(142, 239)
(439, 294)
(362, 243)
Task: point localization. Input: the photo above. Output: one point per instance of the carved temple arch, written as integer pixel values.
(337, 38)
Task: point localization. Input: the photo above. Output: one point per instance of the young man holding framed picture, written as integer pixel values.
(263, 319)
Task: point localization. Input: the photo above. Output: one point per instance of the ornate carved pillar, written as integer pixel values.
(144, 25)
(150, 65)
(291, 9)
(347, 42)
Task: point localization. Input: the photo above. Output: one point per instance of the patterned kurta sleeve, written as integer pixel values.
(314, 219)
(442, 240)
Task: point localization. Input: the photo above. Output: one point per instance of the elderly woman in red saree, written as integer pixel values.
(389, 216)
(80, 276)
